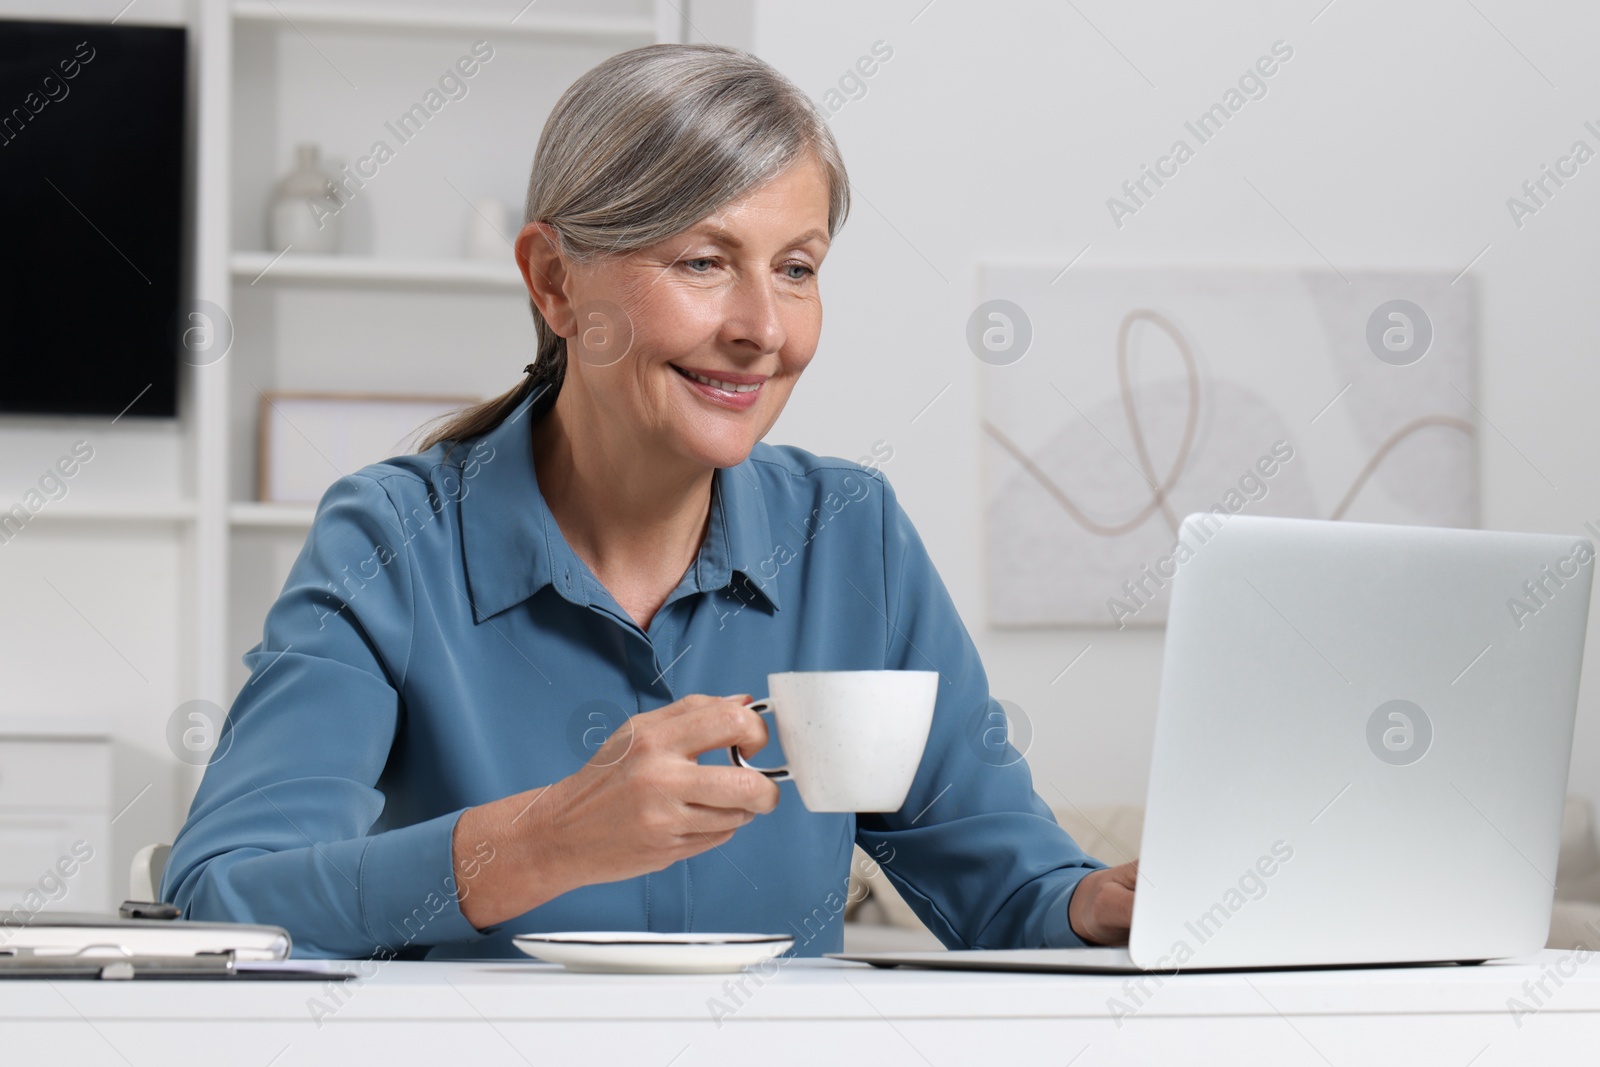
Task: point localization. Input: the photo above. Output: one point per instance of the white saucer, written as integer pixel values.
(638, 952)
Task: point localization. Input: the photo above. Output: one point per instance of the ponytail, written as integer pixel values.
(543, 375)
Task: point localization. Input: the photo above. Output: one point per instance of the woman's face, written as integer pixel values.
(724, 318)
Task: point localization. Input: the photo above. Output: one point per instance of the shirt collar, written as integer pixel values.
(512, 546)
(739, 538)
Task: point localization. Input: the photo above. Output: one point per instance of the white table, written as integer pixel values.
(818, 1012)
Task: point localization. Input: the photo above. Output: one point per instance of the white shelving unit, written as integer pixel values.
(400, 310)
(139, 511)
(527, 22)
(265, 268)
(140, 588)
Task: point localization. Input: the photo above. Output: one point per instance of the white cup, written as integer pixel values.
(854, 739)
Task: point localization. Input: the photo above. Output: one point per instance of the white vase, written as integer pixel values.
(304, 215)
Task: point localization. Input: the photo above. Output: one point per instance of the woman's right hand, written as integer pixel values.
(640, 804)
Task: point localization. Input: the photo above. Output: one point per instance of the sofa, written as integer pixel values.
(877, 918)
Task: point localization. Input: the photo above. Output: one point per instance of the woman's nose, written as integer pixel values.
(753, 315)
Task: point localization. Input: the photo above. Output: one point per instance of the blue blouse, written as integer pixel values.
(438, 645)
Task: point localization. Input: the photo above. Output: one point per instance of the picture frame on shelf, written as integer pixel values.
(308, 440)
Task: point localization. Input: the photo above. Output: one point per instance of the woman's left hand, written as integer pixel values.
(1101, 911)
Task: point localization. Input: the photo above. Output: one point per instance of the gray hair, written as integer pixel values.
(645, 145)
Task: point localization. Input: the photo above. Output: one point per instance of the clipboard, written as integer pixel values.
(149, 941)
(207, 966)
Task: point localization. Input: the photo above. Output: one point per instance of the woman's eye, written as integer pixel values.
(804, 270)
(690, 263)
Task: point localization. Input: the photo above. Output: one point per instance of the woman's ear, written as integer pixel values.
(544, 271)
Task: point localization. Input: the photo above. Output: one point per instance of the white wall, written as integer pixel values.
(997, 131)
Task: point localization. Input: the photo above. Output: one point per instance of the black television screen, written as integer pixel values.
(91, 183)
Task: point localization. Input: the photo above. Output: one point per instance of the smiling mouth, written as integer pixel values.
(716, 383)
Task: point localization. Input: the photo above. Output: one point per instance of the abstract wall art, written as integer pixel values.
(1115, 401)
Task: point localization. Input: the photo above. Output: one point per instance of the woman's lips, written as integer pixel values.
(734, 391)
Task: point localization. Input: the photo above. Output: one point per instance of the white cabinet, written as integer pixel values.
(55, 824)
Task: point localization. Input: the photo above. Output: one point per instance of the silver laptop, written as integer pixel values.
(1360, 752)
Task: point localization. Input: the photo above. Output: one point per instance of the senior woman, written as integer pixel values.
(415, 766)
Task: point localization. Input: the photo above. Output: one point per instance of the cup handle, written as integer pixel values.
(777, 774)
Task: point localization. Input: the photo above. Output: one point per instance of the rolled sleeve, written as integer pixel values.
(974, 851)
